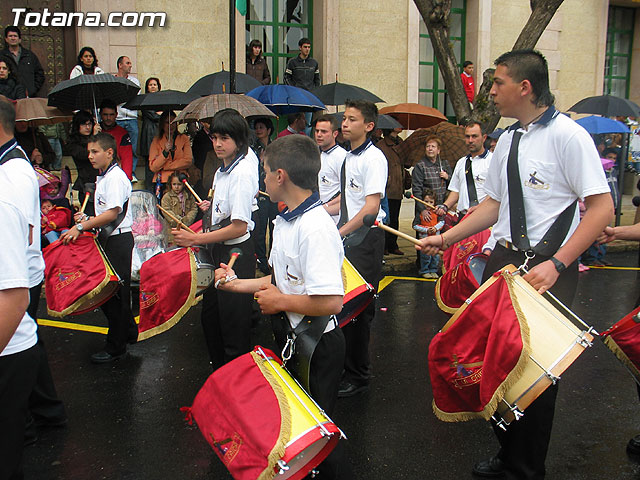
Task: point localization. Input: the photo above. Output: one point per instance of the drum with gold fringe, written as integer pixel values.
(78, 276)
(623, 339)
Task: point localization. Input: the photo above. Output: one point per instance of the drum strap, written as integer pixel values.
(14, 153)
(305, 337)
(356, 237)
(108, 229)
(471, 184)
(551, 240)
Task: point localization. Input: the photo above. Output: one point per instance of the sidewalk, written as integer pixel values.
(406, 262)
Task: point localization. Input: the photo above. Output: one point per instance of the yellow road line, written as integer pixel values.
(614, 268)
(386, 281)
(76, 326)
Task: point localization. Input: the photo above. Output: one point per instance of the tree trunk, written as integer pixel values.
(435, 14)
(436, 17)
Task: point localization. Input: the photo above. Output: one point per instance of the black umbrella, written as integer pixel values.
(87, 92)
(608, 106)
(219, 83)
(338, 93)
(385, 122)
(162, 100)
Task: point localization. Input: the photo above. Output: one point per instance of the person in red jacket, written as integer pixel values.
(108, 114)
(467, 80)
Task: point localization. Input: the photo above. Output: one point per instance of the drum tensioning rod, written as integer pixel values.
(295, 394)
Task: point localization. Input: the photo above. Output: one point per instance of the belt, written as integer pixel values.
(509, 245)
(118, 231)
(236, 241)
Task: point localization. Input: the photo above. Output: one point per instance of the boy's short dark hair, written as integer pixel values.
(229, 122)
(368, 109)
(335, 125)
(529, 65)
(12, 28)
(467, 63)
(297, 155)
(107, 103)
(429, 193)
(303, 40)
(7, 117)
(106, 142)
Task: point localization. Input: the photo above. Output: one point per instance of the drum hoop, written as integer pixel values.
(309, 431)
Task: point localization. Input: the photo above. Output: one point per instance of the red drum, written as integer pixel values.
(357, 294)
(459, 251)
(168, 287)
(78, 276)
(458, 283)
(623, 339)
(260, 421)
(450, 220)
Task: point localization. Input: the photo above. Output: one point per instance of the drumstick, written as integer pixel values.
(210, 194)
(175, 219)
(370, 220)
(408, 194)
(235, 253)
(264, 193)
(84, 203)
(182, 177)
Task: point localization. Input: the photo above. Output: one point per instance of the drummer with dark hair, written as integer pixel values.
(540, 168)
(305, 290)
(113, 217)
(226, 319)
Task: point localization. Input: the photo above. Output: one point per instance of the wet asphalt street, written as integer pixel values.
(125, 420)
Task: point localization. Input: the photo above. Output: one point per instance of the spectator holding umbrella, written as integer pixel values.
(87, 63)
(148, 130)
(10, 86)
(82, 126)
(169, 152)
(256, 64)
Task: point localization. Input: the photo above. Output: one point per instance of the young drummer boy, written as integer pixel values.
(306, 258)
(113, 190)
(363, 185)
(226, 319)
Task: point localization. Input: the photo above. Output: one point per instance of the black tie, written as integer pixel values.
(471, 185)
(516, 200)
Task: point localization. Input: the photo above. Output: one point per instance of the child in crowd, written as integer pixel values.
(56, 191)
(306, 286)
(427, 227)
(54, 220)
(180, 203)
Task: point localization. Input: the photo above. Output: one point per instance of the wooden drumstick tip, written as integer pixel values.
(84, 203)
(235, 253)
(193, 192)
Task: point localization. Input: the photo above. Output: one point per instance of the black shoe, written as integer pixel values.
(491, 468)
(51, 422)
(348, 389)
(30, 433)
(633, 447)
(132, 338)
(106, 357)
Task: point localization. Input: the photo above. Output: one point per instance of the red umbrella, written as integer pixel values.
(413, 115)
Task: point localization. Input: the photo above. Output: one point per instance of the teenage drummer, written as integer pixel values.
(541, 166)
(306, 260)
(226, 319)
(113, 217)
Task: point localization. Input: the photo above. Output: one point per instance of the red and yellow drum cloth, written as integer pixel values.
(623, 339)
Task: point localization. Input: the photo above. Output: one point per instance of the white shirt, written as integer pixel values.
(125, 113)
(14, 238)
(307, 254)
(479, 167)
(329, 175)
(22, 191)
(77, 71)
(234, 191)
(365, 174)
(113, 189)
(558, 163)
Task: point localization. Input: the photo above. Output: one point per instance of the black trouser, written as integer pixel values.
(122, 326)
(391, 240)
(226, 316)
(524, 445)
(17, 378)
(44, 404)
(367, 260)
(267, 211)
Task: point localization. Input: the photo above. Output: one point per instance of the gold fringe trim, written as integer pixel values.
(620, 355)
(444, 307)
(191, 300)
(280, 446)
(89, 295)
(513, 376)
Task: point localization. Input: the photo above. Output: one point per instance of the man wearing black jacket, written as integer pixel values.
(30, 71)
(303, 71)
